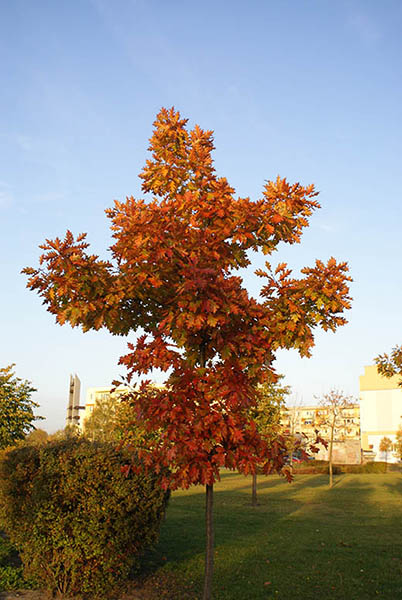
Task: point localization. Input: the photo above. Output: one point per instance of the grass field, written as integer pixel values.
(304, 541)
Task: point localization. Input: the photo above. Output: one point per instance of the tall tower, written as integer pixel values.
(73, 409)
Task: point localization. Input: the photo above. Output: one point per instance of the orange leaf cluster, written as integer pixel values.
(173, 274)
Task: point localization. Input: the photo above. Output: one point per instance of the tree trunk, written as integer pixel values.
(209, 550)
(292, 446)
(331, 444)
(254, 490)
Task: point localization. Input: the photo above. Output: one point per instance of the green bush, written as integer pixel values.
(321, 466)
(6, 548)
(78, 522)
(11, 576)
(315, 467)
(375, 467)
(370, 467)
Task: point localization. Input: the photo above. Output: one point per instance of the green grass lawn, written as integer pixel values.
(304, 541)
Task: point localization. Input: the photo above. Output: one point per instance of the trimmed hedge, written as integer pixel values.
(369, 467)
(78, 522)
(322, 466)
(315, 467)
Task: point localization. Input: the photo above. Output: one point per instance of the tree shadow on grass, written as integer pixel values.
(295, 528)
(272, 483)
(395, 488)
(183, 536)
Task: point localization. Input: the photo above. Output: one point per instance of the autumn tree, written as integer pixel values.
(267, 416)
(334, 406)
(16, 407)
(69, 432)
(172, 275)
(37, 437)
(112, 420)
(100, 425)
(398, 443)
(385, 447)
(294, 438)
(390, 365)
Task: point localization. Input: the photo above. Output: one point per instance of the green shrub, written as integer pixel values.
(375, 467)
(6, 548)
(12, 578)
(370, 467)
(321, 467)
(78, 522)
(315, 467)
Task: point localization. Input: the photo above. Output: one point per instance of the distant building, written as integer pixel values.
(95, 395)
(360, 432)
(380, 412)
(74, 408)
(307, 419)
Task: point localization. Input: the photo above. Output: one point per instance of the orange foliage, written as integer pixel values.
(172, 273)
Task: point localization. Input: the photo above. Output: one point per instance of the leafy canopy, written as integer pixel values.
(385, 445)
(269, 404)
(100, 425)
(112, 421)
(398, 443)
(173, 273)
(16, 407)
(390, 365)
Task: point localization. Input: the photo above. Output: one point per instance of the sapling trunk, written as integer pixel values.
(331, 444)
(209, 550)
(254, 490)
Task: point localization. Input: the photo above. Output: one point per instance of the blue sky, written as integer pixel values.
(310, 90)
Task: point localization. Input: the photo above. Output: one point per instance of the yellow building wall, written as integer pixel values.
(372, 380)
(94, 395)
(380, 411)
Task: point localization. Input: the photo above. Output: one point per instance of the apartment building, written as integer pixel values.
(380, 412)
(305, 420)
(98, 394)
(358, 435)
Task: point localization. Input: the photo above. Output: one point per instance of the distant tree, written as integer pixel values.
(390, 365)
(69, 432)
(295, 439)
(132, 429)
(267, 416)
(333, 406)
(16, 407)
(37, 437)
(100, 426)
(114, 419)
(385, 448)
(398, 443)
